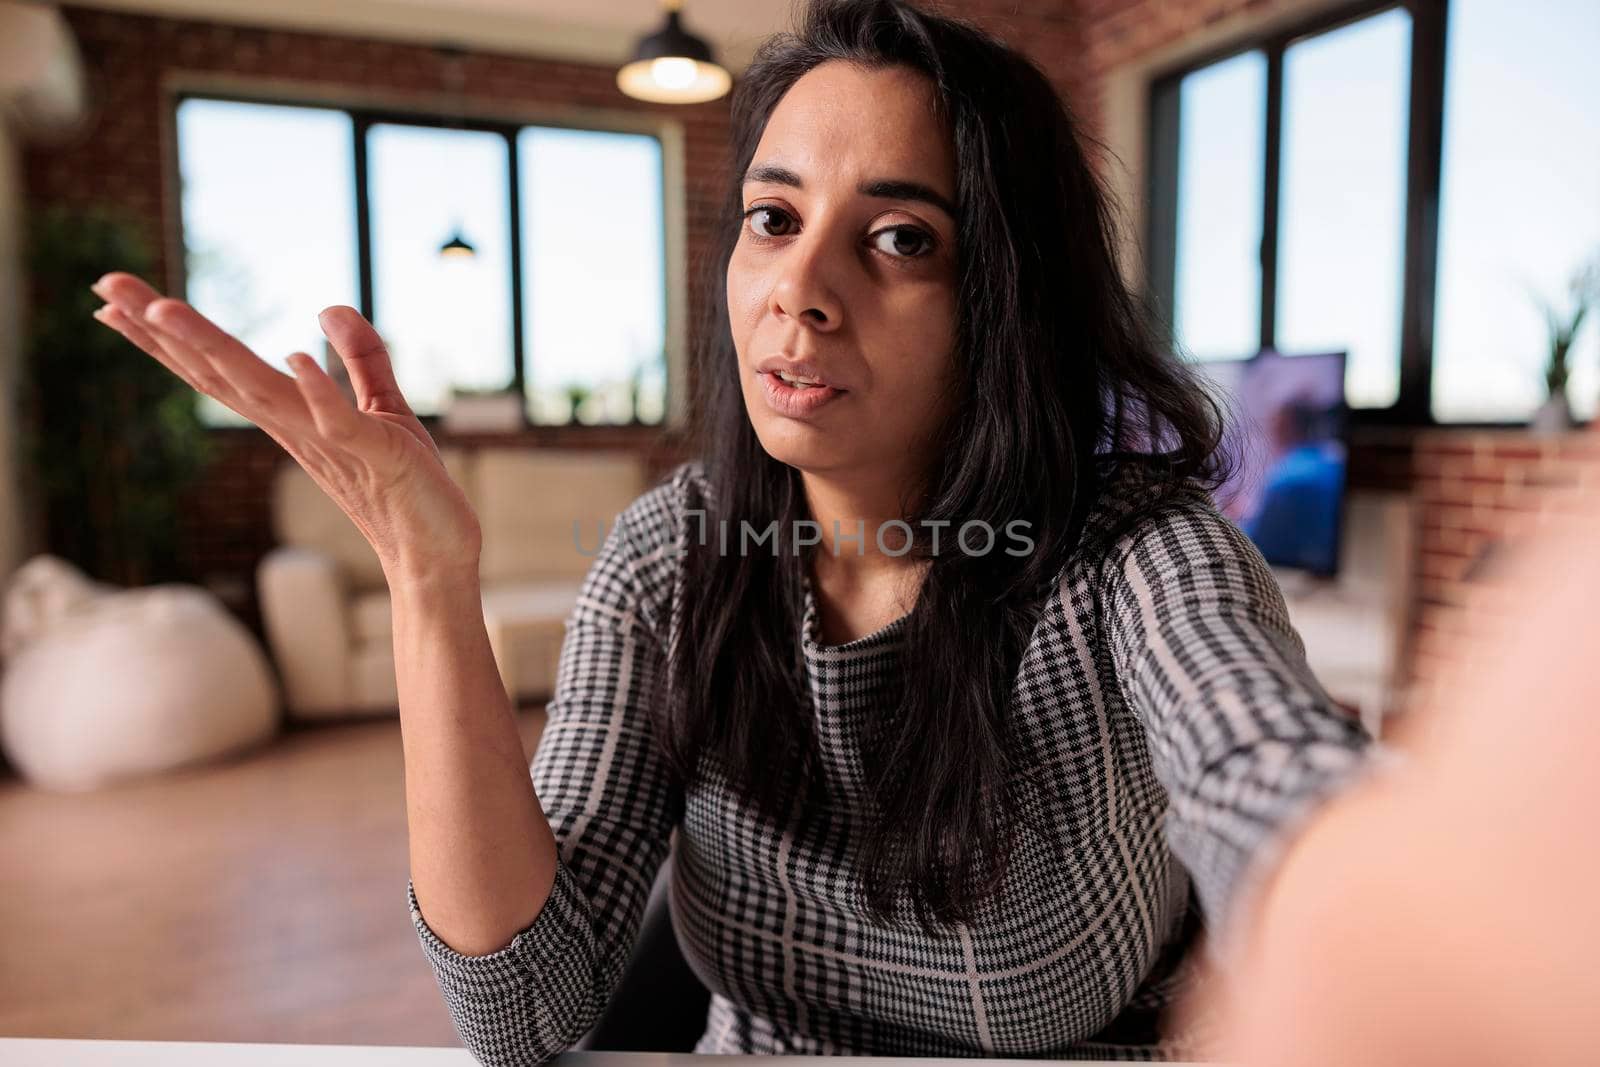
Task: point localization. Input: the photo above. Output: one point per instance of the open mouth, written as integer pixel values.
(799, 382)
(797, 395)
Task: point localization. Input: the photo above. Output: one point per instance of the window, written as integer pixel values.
(592, 264)
(1519, 204)
(267, 245)
(1218, 299)
(1408, 183)
(1342, 200)
(557, 289)
(446, 319)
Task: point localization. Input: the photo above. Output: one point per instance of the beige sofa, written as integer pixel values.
(325, 606)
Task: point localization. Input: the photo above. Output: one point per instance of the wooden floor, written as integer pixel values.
(260, 899)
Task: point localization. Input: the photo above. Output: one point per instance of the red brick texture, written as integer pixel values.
(1474, 487)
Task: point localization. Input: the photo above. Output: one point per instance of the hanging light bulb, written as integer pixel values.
(457, 247)
(453, 78)
(673, 66)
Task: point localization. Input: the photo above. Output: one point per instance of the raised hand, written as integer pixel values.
(375, 459)
(1444, 913)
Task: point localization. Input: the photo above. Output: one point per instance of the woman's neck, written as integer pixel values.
(851, 512)
(860, 587)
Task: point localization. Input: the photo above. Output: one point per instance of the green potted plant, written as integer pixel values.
(577, 396)
(112, 437)
(1563, 323)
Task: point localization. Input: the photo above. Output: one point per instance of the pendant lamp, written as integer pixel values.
(673, 66)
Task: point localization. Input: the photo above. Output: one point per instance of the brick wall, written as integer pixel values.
(1474, 487)
(1050, 32)
(1078, 42)
(1115, 32)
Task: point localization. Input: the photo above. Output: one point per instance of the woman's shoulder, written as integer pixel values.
(639, 562)
(652, 529)
(1146, 515)
(654, 517)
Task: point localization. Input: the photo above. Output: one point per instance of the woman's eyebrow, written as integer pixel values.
(883, 188)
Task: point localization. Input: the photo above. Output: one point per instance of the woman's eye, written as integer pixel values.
(769, 221)
(906, 242)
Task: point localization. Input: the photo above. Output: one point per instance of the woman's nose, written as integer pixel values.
(806, 288)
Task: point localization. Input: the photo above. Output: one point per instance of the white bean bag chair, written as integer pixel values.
(103, 684)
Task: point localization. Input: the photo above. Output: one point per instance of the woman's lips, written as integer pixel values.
(796, 402)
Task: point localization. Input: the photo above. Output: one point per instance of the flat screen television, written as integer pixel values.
(1287, 435)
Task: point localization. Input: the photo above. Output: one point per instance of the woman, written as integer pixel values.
(963, 701)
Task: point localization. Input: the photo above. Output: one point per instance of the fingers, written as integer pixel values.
(366, 357)
(118, 320)
(212, 361)
(332, 413)
(228, 367)
(127, 291)
(126, 298)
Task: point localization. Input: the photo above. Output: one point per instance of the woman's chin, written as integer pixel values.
(800, 445)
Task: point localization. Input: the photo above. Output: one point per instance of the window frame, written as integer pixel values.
(365, 113)
(1425, 133)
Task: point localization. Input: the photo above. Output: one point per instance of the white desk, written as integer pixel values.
(52, 1052)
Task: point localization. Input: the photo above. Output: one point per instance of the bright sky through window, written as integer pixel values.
(1519, 209)
(1221, 144)
(447, 319)
(268, 223)
(1342, 200)
(594, 287)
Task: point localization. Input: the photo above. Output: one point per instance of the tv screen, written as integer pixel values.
(1286, 432)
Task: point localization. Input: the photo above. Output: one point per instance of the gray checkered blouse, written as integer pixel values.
(1170, 732)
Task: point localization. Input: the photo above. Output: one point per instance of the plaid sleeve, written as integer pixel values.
(1242, 736)
(611, 805)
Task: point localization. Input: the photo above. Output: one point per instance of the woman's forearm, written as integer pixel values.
(482, 855)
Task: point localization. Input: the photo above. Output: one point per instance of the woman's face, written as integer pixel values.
(844, 273)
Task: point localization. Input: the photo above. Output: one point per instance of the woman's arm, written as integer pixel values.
(483, 858)
(1449, 905)
(1242, 736)
(486, 862)
(528, 944)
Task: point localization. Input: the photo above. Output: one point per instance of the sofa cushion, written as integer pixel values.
(551, 599)
(529, 500)
(371, 617)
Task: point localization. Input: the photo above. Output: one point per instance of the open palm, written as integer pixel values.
(374, 459)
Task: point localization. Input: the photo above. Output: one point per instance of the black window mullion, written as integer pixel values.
(1421, 236)
(1270, 184)
(359, 125)
(1161, 194)
(518, 349)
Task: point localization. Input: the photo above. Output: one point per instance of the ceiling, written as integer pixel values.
(598, 31)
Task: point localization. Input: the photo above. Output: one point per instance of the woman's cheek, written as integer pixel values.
(908, 402)
(744, 304)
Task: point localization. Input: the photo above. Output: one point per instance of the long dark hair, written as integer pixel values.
(1054, 363)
